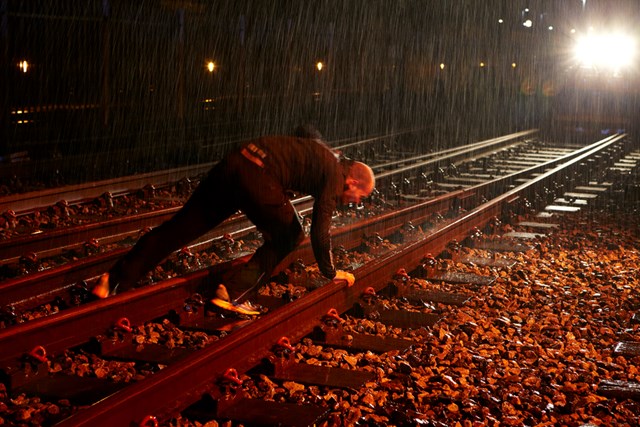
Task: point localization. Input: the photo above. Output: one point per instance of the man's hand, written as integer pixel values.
(345, 276)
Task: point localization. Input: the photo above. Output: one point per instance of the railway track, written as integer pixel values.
(199, 372)
(26, 252)
(45, 286)
(23, 203)
(127, 218)
(60, 284)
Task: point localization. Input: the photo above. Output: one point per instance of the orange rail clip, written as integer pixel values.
(123, 324)
(39, 353)
(149, 421)
(334, 314)
(232, 375)
(285, 343)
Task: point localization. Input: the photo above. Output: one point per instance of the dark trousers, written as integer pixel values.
(233, 184)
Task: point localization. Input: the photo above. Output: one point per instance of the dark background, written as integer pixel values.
(125, 83)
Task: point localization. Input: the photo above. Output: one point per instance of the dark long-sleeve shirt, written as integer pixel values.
(306, 166)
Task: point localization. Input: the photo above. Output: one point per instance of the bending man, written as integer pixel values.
(257, 179)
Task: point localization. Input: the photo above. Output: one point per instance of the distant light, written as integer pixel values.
(319, 66)
(573, 31)
(482, 64)
(550, 27)
(211, 66)
(442, 66)
(613, 51)
(513, 65)
(549, 88)
(24, 66)
(526, 9)
(528, 23)
(500, 21)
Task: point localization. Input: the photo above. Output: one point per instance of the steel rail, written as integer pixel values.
(456, 155)
(244, 348)
(56, 241)
(64, 238)
(34, 200)
(152, 301)
(73, 193)
(30, 290)
(12, 249)
(372, 139)
(52, 282)
(489, 143)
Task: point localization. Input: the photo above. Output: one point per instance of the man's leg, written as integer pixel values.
(208, 206)
(282, 232)
(264, 201)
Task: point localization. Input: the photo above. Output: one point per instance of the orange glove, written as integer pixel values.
(344, 276)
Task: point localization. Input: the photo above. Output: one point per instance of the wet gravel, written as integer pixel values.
(529, 350)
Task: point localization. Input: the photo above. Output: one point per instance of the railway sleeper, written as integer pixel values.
(619, 389)
(235, 406)
(398, 318)
(281, 365)
(628, 349)
(622, 389)
(31, 376)
(254, 412)
(329, 333)
(79, 391)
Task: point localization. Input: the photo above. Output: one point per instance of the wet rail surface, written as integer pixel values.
(237, 353)
(58, 288)
(35, 288)
(28, 233)
(106, 249)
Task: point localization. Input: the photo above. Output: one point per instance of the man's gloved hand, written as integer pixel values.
(345, 276)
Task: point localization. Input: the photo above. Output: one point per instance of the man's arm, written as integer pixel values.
(321, 236)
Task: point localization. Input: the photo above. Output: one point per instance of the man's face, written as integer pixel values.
(352, 194)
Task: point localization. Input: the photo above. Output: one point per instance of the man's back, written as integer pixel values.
(303, 165)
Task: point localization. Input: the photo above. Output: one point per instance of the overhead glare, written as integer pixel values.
(611, 51)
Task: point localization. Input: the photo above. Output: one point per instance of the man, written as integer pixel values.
(257, 179)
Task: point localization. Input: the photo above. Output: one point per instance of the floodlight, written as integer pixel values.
(611, 51)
